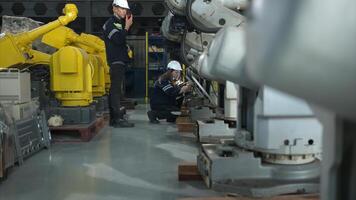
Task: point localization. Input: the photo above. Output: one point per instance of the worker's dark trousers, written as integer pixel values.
(117, 74)
(164, 111)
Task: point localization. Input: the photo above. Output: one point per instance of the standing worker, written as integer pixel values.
(164, 99)
(115, 30)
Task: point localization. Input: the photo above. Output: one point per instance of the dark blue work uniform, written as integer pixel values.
(114, 34)
(164, 100)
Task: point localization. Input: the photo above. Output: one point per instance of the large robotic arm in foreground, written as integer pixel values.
(278, 140)
(309, 51)
(302, 54)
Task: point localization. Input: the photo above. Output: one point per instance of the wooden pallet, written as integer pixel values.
(185, 124)
(106, 116)
(185, 111)
(285, 197)
(188, 172)
(78, 132)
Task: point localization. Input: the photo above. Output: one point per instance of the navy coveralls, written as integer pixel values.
(164, 100)
(114, 34)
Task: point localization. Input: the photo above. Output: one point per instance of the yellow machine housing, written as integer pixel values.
(98, 77)
(71, 76)
(63, 36)
(101, 54)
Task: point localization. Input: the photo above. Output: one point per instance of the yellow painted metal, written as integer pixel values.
(146, 73)
(215, 85)
(130, 53)
(70, 68)
(184, 72)
(15, 50)
(99, 51)
(98, 76)
(93, 45)
(71, 76)
(39, 57)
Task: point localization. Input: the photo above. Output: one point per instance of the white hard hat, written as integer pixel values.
(121, 3)
(174, 65)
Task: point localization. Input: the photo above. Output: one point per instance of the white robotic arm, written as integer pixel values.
(309, 51)
(204, 17)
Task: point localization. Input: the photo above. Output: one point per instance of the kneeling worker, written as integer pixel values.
(165, 93)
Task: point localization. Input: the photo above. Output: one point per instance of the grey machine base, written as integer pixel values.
(213, 132)
(74, 115)
(231, 169)
(101, 104)
(201, 113)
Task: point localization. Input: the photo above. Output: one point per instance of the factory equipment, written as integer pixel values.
(212, 127)
(300, 53)
(100, 51)
(70, 74)
(194, 41)
(15, 50)
(209, 16)
(70, 68)
(7, 144)
(278, 138)
(31, 130)
(94, 47)
(63, 36)
(23, 132)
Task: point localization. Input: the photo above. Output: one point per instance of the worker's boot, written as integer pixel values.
(152, 117)
(122, 123)
(172, 119)
(112, 122)
(172, 116)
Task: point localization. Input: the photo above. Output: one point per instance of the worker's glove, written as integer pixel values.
(185, 89)
(129, 52)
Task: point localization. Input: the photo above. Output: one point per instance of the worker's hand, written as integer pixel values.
(190, 84)
(185, 89)
(129, 21)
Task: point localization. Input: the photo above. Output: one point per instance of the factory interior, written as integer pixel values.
(264, 102)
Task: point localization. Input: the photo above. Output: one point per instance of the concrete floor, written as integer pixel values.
(139, 163)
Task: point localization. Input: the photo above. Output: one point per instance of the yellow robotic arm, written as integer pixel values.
(15, 50)
(69, 67)
(64, 36)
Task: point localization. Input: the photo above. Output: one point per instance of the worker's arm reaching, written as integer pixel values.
(169, 88)
(186, 88)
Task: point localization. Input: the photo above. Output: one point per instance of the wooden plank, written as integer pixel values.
(184, 111)
(188, 172)
(70, 127)
(78, 132)
(185, 124)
